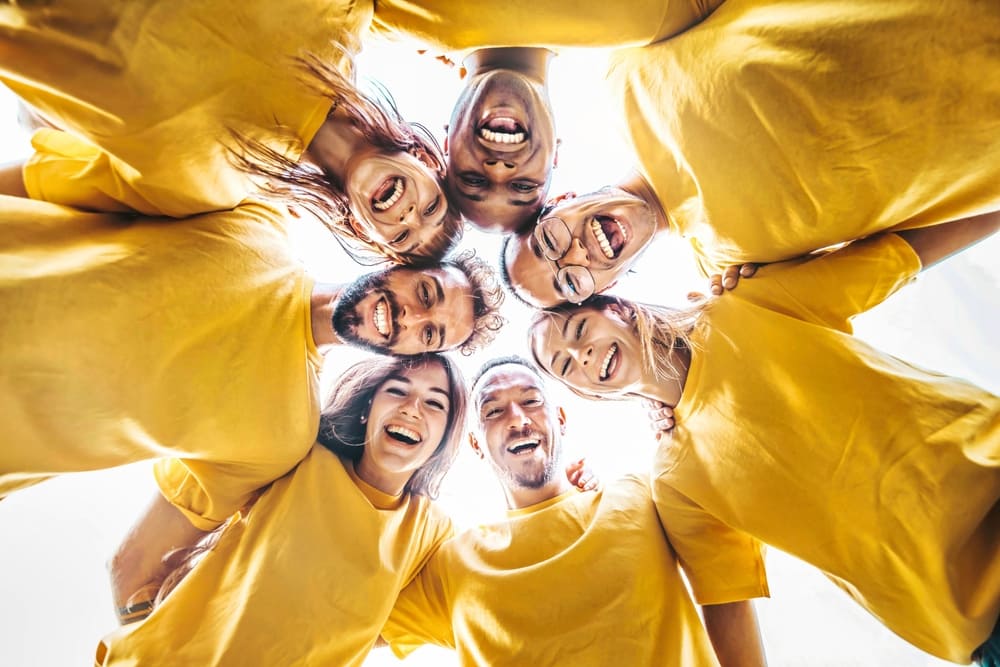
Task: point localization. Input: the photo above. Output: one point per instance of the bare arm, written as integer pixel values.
(139, 559)
(735, 636)
(933, 244)
(11, 180)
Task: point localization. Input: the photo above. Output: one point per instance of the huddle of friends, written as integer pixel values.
(155, 311)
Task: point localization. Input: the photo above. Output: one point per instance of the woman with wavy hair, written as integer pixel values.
(791, 432)
(309, 573)
(176, 110)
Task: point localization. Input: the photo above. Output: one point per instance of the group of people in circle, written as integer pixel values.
(814, 157)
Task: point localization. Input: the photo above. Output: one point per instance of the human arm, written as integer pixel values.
(735, 635)
(12, 179)
(939, 242)
(138, 564)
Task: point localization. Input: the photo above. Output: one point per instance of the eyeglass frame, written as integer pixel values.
(567, 269)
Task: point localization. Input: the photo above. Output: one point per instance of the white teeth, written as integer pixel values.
(529, 442)
(602, 240)
(381, 318)
(409, 434)
(397, 192)
(501, 137)
(607, 360)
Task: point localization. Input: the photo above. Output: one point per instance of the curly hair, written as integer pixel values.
(487, 296)
(321, 192)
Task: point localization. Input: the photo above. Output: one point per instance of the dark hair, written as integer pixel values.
(321, 192)
(343, 433)
(505, 272)
(502, 361)
(487, 296)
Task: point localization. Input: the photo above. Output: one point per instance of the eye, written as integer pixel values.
(429, 211)
(565, 367)
(399, 238)
(579, 327)
(531, 402)
(436, 404)
(473, 180)
(491, 413)
(524, 186)
(570, 286)
(427, 335)
(425, 295)
(549, 242)
(395, 391)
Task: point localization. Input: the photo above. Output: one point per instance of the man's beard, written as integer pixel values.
(347, 319)
(536, 477)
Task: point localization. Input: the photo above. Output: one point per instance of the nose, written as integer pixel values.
(518, 417)
(407, 212)
(410, 316)
(576, 254)
(411, 408)
(581, 356)
(498, 169)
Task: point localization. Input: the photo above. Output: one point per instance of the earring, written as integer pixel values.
(364, 418)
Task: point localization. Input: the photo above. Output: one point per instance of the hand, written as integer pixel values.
(730, 278)
(582, 477)
(661, 417)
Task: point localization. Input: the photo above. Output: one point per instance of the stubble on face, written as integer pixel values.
(535, 476)
(347, 319)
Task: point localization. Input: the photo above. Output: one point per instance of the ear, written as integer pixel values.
(558, 199)
(555, 157)
(621, 310)
(445, 146)
(424, 156)
(608, 286)
(475, 445)
(356, 230)
(561, 415)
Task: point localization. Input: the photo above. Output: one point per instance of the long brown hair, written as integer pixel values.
(660, 329)
(321, 192)
(342, 432)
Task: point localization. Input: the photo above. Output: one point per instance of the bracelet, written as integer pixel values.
(134, 612)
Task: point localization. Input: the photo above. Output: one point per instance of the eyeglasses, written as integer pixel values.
(575, 283)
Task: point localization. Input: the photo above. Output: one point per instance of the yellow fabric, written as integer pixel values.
(159, 85)
(450, 25)
(584, 579)
(807, 439)
(127, 338)
(307, 579)
(776, 128)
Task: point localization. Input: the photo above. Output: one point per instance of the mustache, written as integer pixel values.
(524, 432)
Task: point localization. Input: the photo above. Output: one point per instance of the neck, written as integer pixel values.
(386, 482)
(530, 61)
(321, 305)
(334, 143)
(635, 184)
(667, 391)
(520, 497)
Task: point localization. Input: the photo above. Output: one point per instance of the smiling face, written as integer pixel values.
(406, 424)
(603, 232)
(593, 351)
(399, 203)
(406, 311)
(501, 149)
(520, 429)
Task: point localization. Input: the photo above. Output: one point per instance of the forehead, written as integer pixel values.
(531, 276)
(429, 374)
(506, 378)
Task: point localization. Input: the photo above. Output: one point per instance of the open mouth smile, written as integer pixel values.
(388, 193)
(610, 364)
(382, 318)
(503, 130)
(402, 434)
(522, 446)
(609, 234)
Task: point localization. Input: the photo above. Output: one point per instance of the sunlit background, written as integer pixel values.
(55, 537)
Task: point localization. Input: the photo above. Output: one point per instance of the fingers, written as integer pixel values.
(715, 284)
(661, 419)
(731, 276)
(748, 270)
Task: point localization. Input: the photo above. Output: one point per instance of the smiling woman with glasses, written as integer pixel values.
(555, 242)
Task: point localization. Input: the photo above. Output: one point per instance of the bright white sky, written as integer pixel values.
(56, 537)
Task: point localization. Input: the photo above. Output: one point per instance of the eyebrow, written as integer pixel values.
(513, 202)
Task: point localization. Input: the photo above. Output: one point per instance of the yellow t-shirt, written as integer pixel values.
(580, 579)
(149, 91)
(776, 128)
(794, 433)
(126, 339)
(458, 26)
(307, 578)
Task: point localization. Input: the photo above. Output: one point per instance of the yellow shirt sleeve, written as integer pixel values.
(421, 614)
(458, 26)
(722, 564)
(831, 288)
